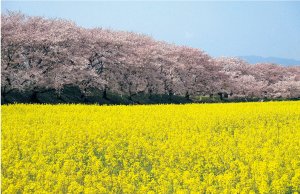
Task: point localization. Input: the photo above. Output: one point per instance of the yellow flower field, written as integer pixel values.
(195, 148)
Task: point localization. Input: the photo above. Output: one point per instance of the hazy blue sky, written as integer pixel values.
(234, 28)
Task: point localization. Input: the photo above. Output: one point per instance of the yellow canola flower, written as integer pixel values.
(194, 148)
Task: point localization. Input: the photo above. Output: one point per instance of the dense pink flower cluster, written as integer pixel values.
(42, 52)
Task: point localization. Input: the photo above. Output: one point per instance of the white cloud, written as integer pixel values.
(188, 35)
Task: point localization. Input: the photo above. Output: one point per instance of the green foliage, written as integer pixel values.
(160, 99)
(142, 98)
(72, 94)
(115, 98)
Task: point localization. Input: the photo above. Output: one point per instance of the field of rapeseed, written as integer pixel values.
(195, 148)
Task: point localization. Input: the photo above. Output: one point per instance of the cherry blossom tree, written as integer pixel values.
(123, 58)
(150, 59)
(220, 72)
(172, 69)
(10, 52)
(247, 86)
(38, 52)
(43, 53)
(191, 70)
(293, 71)
(269, 72)
(288, 88)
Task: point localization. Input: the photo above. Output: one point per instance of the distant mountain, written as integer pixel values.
(258, 59)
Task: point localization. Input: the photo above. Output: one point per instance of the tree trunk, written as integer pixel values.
(104, 93)
(4, 91)
(129, 97)
(150, 93)
(170, 95)
(129, 92)
(210, 95)
(187, 96)
(220, 94)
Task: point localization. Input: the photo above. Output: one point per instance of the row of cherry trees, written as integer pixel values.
(51, 53)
